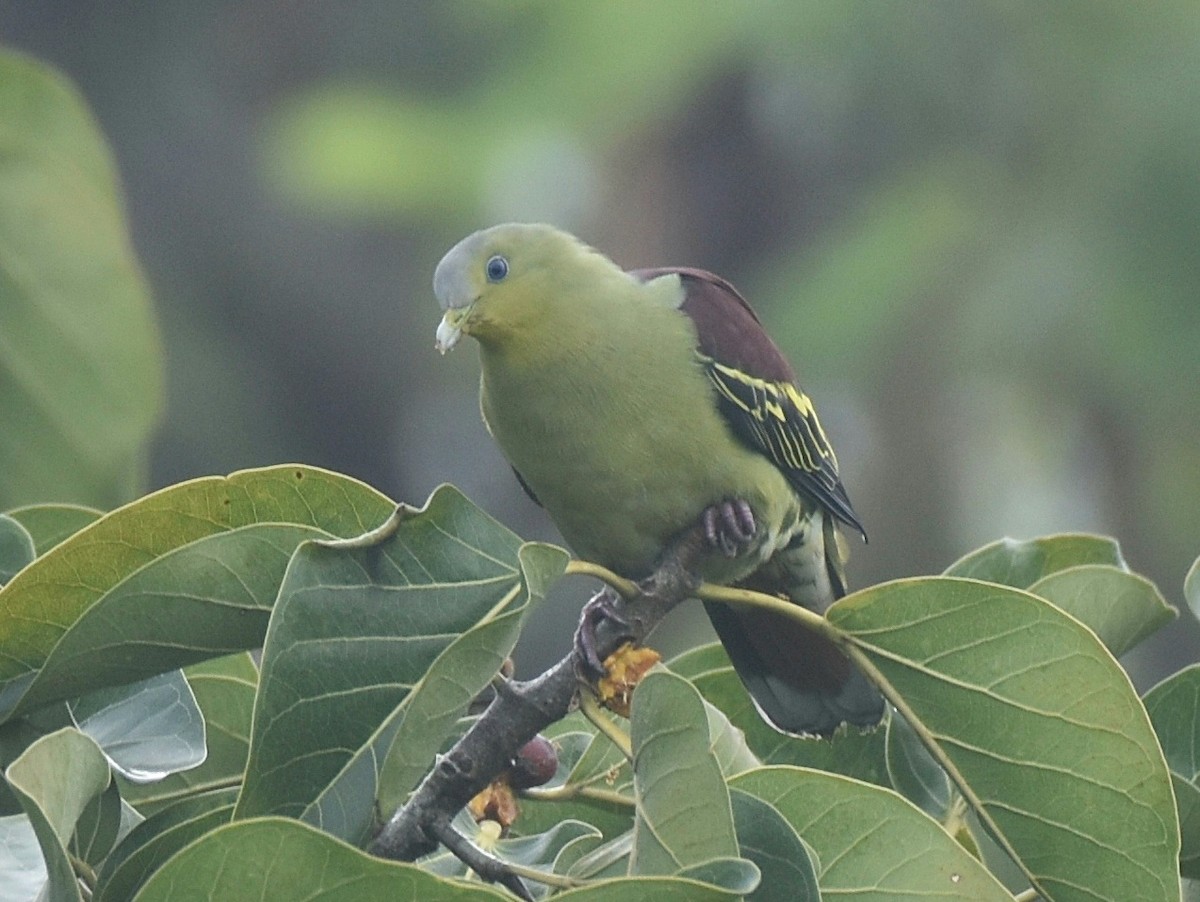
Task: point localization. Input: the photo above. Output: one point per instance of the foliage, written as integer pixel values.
(373, 652)
(80, 380)
(147, 756)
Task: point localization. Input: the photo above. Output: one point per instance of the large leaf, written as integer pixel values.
(22, 867)
(16, 548)
(147, 729)
(544, 851)
(364, 636)
(1020, 564)
(1174, 709)
(659, 889)
(49, 524)
(156, 839)
(914, 772)
(1191, 587)
(99, 826)
(1037, 723)
(589, 760)
(1121, 608)
(224, 689)
(766, 838)
(300, 863)
(187, 573)
(442, 695)
(56, 779)
(683, 809)
(849, 751)
(227, 864)
(1187, 800)
(867, 842)
(80, 378)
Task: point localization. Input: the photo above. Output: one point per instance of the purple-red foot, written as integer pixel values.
(598, 609)
(729, 526)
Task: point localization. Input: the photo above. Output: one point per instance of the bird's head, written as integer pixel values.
(498, 281)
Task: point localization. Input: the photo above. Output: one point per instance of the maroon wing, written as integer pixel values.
(756, 389)
(800, 681)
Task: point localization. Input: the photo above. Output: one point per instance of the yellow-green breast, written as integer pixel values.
(614, 426)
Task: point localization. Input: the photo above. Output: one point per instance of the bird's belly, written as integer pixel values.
(620, 481)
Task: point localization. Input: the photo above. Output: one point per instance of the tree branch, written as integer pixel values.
(521, 710)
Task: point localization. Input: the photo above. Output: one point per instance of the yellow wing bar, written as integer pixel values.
(781, 416)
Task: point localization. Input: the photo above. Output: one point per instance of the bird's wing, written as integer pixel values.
(756, 389)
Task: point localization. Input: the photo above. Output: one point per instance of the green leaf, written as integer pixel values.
(80, 374)
(583, 757)
(868, 842)
(224, 689)
(1191, 587)
(738, 875)
(148, 729)
(1011, 562)
(442, 695)
(98, 827)
(1174, 709)
(600, 758)
(22, 868)
(228, 864)
(541, 851)
(571, 742)
(729, 739)
(15, 737)
(1121, 608)
(766, 838)
(1187, 800)
(49, 524)
(156, 839)
(608, 860)
(1037, 724)
(660, 889)
(683, 814)
(55, 780)
(187, 573)
(16, 548)
(728, 743)
(914, 772)
(361, 638)
(849, 751)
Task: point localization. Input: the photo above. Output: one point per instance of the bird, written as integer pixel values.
(634, 405)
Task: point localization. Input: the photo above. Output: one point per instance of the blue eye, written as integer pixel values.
(497, 268)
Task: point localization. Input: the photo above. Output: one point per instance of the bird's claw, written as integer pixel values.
(598, 609)
(729, 526)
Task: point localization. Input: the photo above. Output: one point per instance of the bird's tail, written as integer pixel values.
(800, 682)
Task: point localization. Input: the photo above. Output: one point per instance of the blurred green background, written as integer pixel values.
(974, 227)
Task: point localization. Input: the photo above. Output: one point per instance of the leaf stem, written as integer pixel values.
(590, 708)
(84, 872)
(577, 791)
(627, 589)
(749, 598)
(561, 881)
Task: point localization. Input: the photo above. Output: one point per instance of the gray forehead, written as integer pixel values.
(452, 278)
